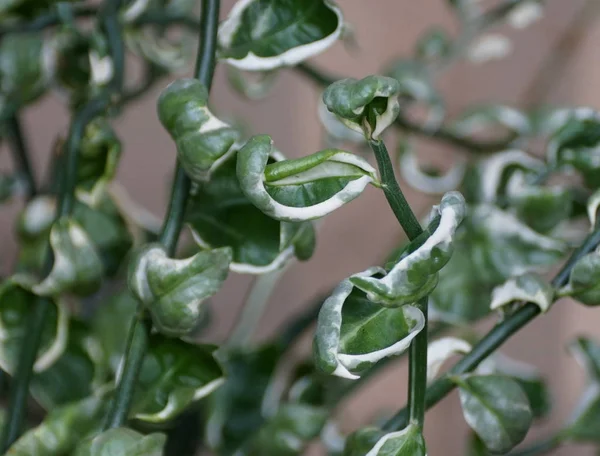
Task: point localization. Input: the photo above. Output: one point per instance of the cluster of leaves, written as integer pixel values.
(503, 221)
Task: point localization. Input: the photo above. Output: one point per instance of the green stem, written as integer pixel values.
(114, 34)
(495, 338)
(21, 155)
(417, 354)
(138, 337)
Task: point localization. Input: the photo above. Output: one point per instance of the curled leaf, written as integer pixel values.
(173, 290)
(528, 287)
(336, 129)
(368, 106)
(354, 333)
(496, 408)
(441, 350)
(592, 208)
(496, 122)
(258, 36)
(584, 280)
(77, 266)
(202, 140)
(373, 442)
(302, 189)
(415, 275)
(122, 442)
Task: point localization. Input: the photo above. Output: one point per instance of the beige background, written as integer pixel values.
(360, 234)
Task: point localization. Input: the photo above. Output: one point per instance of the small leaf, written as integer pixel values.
(62, 429)
(258, 36)
(433, 44)
(202, 139)
(584, 280)
(173, 290)
(77, 266)
(585, 421)
(496, 408)
(302, 189)
(415, 275)
(439, 351)
(369, 105)
(495, 122)
(220, 215)
(174, 375)
(354, 333)
(336, 130)
(587, 354)
(17, 302)
(372, 442)
(528, 287)
(122, 442)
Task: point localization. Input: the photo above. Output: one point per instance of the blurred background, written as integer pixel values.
(553, 61)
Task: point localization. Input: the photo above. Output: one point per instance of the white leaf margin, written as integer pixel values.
(439, 351)
(528, 287)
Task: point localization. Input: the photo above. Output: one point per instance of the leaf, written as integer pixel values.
(302, 189)
(368, 106)
(336, 129)
(574, 145)
(592, 208)
(496, 408)
(174, 375)
(203, 141)
(439, 351)
(288, 432)
(433, 44)
(16, 304)
(259, 36)
(353, 333)
(585, 420)
(77, 266)
(584, 280)
(372, 442)
(122, 442)
(527, 287)
(415, 275)
(495, 122)
(220, 215)
(62, 429)
(587, 353)
(173, 290)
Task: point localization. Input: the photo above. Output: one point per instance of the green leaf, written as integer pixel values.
(575, 145)
(476, 447)
(235, 409)
(584, 280)
(220, 215)
(16, 304)
(415, 275)
(587, 354)
(584, 423)
(77, 266)
(173, 290)
(21, 73)
(369, 105)
(203, 141)
(302, 189)
(288, 432)
(174, 375)
(527, 287)
(496, 408)
(592, 208)
(62, 429)
(353, 333)
(373, 442)
(122, 442)
(259, 35)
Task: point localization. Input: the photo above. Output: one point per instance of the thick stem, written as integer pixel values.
(138, 337)
(417, 352)
(495, 338)
(18, 148)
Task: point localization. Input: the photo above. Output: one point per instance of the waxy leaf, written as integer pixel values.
(441, 350)
(173, 290)
(373, 442)
(288, 432)
(77, 266)
(122, 442)
(337, 131)
(220, 215)
(368, 106)
(302, 189)
(202, 140)
(496, 408)
(415, 275)
(16, 304)
(528, 287)
(353, 333)
(62, 429)
(259, 35)
(174, 375)
(584, 280)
